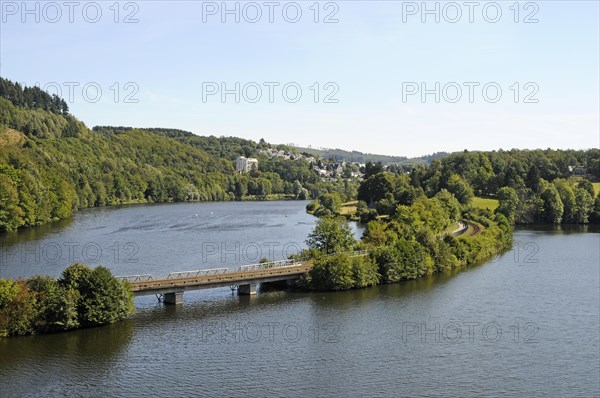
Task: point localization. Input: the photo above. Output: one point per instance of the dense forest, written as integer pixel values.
(538, 186)
(51, 164)
(413, 218)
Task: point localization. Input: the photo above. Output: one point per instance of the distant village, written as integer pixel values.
(328, 170)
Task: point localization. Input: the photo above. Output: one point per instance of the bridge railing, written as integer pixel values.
(197, 272)
(269, 265)
(135, 278)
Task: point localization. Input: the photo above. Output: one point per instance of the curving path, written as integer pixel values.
(466, 228)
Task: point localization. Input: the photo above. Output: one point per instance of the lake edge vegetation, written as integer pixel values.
(410, 216)
(82, 297)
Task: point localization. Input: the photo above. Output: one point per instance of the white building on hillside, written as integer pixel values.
(244, 165)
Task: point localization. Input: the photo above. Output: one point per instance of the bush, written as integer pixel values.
(8, 291)
(407, 259)
(17, 316)
(332, 273)
(365, 272)
(368, 215)
(81, 297)
(55, 305)
(103, 299)
(312, 206)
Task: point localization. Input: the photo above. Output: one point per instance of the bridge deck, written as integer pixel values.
(162, 286)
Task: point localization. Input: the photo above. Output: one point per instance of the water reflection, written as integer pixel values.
(9, 239)
(53, 361)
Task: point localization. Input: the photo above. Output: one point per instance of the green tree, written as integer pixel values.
(450, 204)
(567, 197)
(508, 203)
(75, 276)
(55, 306)
(587, 185)
(407, 259)
(10, 212)
(387, 205)
(460, 189)
(331, 202)
(8, 291)
(331, 235)
(365, 271)
(595, 213)
(372, 169)
(102, 298)
(553, 206)
(374, 188)
(584, 204)
(18, 314)
(443, 257)
(376, 234)
(407, 194)
(297, 188)
(332, 273)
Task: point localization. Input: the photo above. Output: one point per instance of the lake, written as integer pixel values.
(523, 324)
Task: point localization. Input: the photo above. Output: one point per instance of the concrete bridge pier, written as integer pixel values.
(174, 298)
(249, 289)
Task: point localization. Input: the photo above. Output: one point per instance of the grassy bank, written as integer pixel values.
(485, 203)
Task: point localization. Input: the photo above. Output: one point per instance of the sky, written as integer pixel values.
(387, 77)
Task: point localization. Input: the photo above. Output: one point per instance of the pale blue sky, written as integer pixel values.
(369, 53)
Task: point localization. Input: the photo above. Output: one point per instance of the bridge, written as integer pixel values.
(245, 278)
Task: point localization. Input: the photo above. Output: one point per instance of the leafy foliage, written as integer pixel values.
(82, 297)
(331, 235)
(342, 272)
(405, 259)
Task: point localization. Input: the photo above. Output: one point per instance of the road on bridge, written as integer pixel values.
(245, 278)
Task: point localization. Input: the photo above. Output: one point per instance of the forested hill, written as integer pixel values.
(224, 147)
(360, 157)
(51, 164)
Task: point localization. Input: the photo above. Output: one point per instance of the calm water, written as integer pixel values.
(524, 324)
(158, 239)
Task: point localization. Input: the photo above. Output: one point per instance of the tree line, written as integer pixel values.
(537, 186)
(32, 97)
